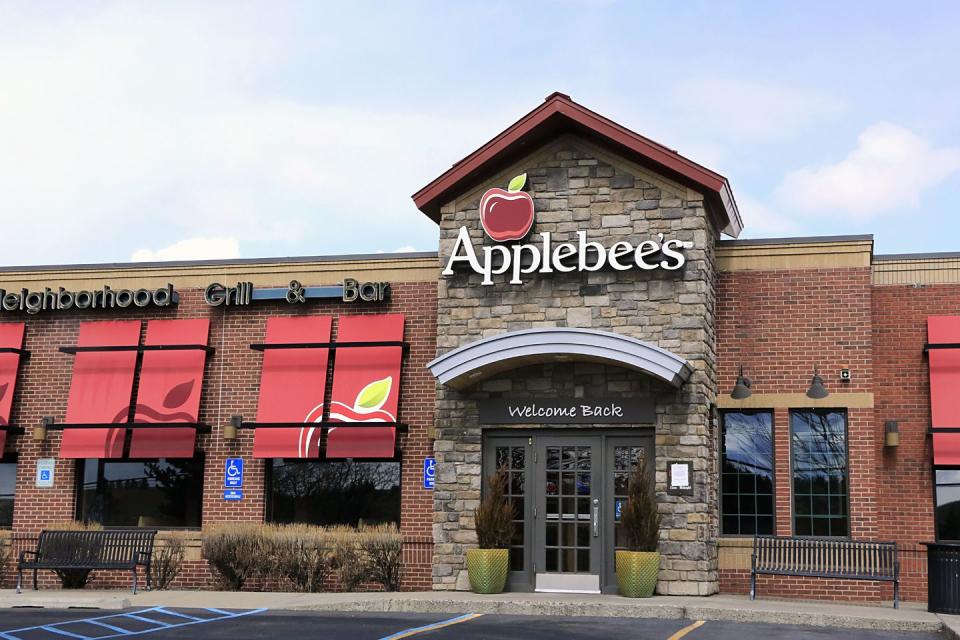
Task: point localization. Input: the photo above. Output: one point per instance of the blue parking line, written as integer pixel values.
(176, 614)
(143, 619)
(10, 634)
(53, 629)
(108, 626)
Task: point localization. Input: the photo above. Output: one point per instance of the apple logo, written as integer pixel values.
(507, 215)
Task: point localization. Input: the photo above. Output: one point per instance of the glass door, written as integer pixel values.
(568, 514)
(513, 456)
(622, 457)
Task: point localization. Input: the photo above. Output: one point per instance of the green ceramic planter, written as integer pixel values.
(637, 573)
(488, 569)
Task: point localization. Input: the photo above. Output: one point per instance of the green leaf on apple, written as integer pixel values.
(517, 183)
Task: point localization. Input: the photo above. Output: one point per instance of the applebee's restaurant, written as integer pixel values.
(590, 307)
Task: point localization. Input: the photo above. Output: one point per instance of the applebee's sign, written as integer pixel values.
(507, 215)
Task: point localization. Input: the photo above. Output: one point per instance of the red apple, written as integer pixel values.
(507, 215)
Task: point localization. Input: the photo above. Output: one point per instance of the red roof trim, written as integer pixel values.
(429, 199)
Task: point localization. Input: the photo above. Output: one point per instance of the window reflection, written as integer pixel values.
(746, 481)
(948, 504)
(8, 481)
(819, 453)
(334, 492)
(151, 493)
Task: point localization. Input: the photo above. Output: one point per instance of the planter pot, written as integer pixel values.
(488, 569)
(637, 573)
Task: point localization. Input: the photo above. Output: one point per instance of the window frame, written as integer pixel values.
(773, 469)
(11, 458)
(268, 496)
(79, 471)
(936, 527)
(846, 465)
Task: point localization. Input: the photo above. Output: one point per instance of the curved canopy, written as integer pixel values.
(478, 360)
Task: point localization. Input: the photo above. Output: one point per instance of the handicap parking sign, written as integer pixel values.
(429, 472)
(233, 473)
(45, 467)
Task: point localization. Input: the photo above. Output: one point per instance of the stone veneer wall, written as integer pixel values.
(576, 186)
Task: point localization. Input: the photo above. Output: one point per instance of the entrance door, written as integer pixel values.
(621, 455)
(565, 486)
(568, 536)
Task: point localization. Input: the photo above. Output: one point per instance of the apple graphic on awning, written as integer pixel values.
(507, 215)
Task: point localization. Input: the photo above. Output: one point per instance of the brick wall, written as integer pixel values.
(230, 387)
(905, 504)
(780, 324)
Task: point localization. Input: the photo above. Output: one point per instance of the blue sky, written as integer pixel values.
(190, 130)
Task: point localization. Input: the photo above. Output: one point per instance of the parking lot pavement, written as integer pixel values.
(160, 623)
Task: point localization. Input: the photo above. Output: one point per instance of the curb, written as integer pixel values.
(64, 602)
(949, 626)
(605, 610)
(501, 607)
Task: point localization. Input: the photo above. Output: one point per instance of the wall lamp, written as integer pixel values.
(40, 431)
(741, 390)
(891, 433)
(817, 391)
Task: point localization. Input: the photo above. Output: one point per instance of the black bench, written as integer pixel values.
(825, 558)
(124, 549)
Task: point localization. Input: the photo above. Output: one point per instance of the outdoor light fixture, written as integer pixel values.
(741, 390)
(891, 433)
(230, 430)
(817, 391)
(40, 431)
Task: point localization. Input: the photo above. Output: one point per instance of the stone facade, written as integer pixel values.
(577, 186)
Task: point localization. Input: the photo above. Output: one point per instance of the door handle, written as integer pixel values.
(596, 517)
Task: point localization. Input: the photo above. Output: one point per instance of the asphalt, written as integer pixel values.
(160, 623)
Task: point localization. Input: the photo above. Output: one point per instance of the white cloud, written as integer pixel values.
(118, 123)
(759, 218)
(752, 109)
(407, 248)
(890, 169)
(192, 249)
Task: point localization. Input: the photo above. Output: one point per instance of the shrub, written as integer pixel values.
(236, 552)
(6, 551)
(300, 555)
(75, 578)
(168, 558)
(640, 518)
(347, 557)
(494, 517)
(383, 550)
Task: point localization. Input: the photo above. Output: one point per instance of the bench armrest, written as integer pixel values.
(24, 554)
(142, 557)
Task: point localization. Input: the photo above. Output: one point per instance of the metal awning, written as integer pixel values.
(471, 363)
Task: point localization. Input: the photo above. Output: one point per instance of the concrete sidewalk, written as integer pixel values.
(910, 617)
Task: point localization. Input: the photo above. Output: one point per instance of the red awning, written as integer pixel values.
(366, 387)
(169, 390)
(11, 337)
(293, 383)
(100, 389)
(946, 449)
(944, 371)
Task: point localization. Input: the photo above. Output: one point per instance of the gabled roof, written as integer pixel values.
(559, 114)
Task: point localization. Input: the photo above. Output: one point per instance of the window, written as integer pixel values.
(948, 504)
(334, 492)
(513, 461)
(819, 447)
(8, 481)
(144, 493)
(746, 473)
